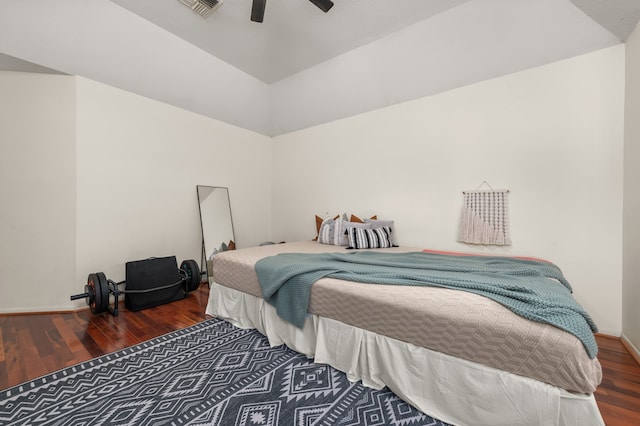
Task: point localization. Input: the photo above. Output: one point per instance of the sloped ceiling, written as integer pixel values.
(302, 67)
(295, 34)
(618, 16)
(9, 63)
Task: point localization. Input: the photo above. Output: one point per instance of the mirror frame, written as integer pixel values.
(201, 198)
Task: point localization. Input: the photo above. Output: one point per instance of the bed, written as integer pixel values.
(457, 356)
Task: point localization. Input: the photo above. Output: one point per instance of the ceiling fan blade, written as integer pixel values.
(323, 5)
(257, 10)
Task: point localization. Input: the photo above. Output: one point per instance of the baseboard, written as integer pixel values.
(607, 336)
(52, 312)
(632, 349)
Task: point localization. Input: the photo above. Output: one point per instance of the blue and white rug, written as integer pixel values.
(211, 373)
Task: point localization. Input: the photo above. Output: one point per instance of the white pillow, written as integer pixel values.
(330, 229)
(327, 229)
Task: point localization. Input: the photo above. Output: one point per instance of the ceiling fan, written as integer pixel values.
(257, 9)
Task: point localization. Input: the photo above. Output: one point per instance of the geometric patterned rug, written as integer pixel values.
(211, 373)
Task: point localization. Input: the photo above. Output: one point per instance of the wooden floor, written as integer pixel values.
(34, 345)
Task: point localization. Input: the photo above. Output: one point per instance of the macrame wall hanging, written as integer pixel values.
(485, 217)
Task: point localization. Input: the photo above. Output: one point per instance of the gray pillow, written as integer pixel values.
(381, 223)
(340, 231)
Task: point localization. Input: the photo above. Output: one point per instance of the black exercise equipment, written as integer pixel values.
(150, 282)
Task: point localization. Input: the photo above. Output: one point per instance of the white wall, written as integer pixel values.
(93, 176)
(37, 191)
(138, 164)
(553, 135)
(631, 254)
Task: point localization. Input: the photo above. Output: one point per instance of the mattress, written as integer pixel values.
(457, 323)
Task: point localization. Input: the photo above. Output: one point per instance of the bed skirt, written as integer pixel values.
(451, 389)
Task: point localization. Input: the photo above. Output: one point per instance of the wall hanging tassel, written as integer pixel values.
(485, 218)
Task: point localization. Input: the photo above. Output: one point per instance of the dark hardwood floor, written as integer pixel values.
(34, 345)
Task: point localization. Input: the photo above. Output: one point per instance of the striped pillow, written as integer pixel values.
(319, 221)
(327, 229)
(340, 232)
(369, 238)
(378, 223)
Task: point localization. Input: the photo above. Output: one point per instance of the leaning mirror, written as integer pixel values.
(215, 219)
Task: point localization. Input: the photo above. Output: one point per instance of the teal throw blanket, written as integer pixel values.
(520, 285)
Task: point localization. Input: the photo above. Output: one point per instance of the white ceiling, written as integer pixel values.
(301, 67)
(296, 35)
